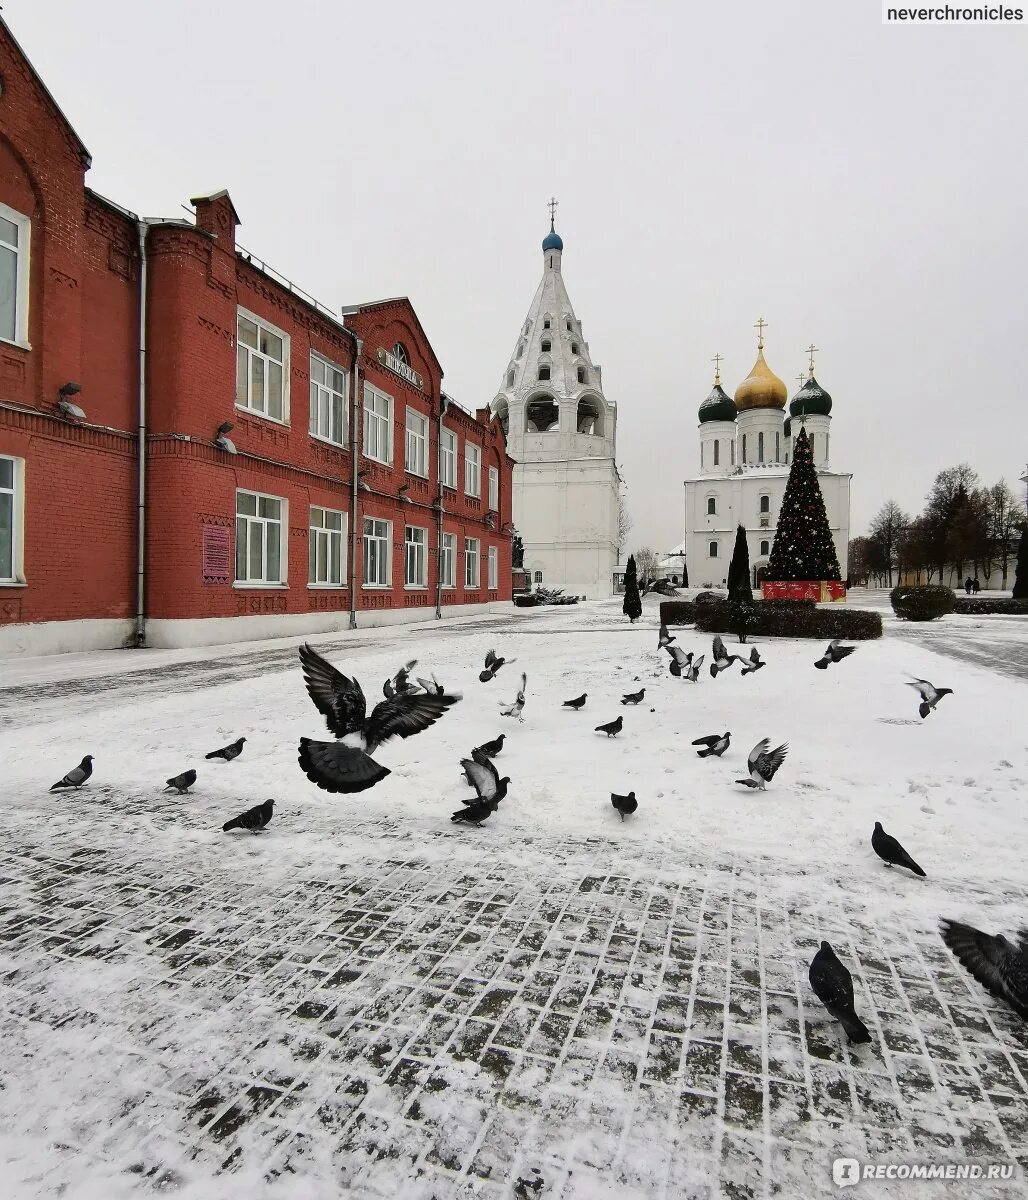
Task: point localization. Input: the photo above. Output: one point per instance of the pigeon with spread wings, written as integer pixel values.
(722, 660)
(836, 652)
(492, 666)
(490, 789)
(679, 659)
(516, 709)
(994, 960)
(763, 763)
(929, 693)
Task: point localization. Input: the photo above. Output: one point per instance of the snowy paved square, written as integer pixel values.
(367, 997)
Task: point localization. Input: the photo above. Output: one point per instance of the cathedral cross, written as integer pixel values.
(552, 206)
(716, 360)
(760, 326)
(812, 350)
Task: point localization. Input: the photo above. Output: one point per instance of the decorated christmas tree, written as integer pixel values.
(739, 590)
(632, 607)
(803, 548)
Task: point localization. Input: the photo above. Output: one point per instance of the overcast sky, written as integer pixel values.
(861, 186)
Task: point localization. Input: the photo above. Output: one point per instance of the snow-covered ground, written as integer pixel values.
(554, 1005)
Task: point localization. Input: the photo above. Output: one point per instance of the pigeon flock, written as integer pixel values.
(412, 704)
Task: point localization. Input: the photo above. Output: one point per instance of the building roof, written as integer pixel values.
(553, 241)
(718, 406)
(811, 400)
(761, 388)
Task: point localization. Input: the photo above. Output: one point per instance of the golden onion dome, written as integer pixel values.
(761, 388)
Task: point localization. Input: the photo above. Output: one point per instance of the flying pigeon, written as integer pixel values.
(492, 665)
(486, 781)
(77, 776)
(763, 763)
(664, 638)
(722, 660)
(679, 659)
(713, 743)
(692, 673)
(432, 686)
(577, 702)
(491, 749)
(626, 805)
(833, 986)
(400, 682)
(612, 728)
(346, 765)
(891, 852)
(930, 695)
(998, 965)
(755, 663)
(633, 697)
(182, 783)
(836, 652)
(515, 709)
(254, 819)
(228, 753)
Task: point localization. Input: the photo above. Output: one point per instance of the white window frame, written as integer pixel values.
(761, 510)
(415, 553)
(712, 545)
(322, 397)
(492, 569)
(472, 469)
(377, 536)
(448, 447)
(472, 555)
(494, 489)
(256, 519)
(17, 493)
(711, 506)
(416, 453)
(22, 275)
(383, 426)
(320, 538)
(448, 560)
(251, 352)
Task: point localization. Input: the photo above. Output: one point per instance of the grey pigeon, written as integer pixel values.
(763, 763)
(755, 663)
(433, 686)
(722, 660)
(577, 702)
(182, 783)
(634, 697)
(612, 728)
(492, 666)
(255, 819)
(485, 779)
(228, 753)
(77, 776)
(836, 652)
(400, 682)
(491, 749)
(626, 805)
(664, 638)
(518, 706)
(713, 743)
(998, 965)
(474, 813)
(833, 986)
(347, 765)
(891, 852)
(692, 673)
(930, 695)
(679, 659)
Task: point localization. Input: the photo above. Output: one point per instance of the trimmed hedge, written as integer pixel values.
(922, 603)
(983, 607)
(795, 619)
(529, 601)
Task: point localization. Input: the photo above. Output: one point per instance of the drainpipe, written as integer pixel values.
(444, 405)
(142, 227)
(354, 464)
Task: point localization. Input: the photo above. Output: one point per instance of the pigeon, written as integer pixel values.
(755, 663)
(612, 728)
(182, 783)
(633, 697)
(626, 805)
(515, 709)
(77, 776)
(577, 702)
(692, 673)
(492, 665)
(763, 763)
(491, 749)
(930, 695)
(891, 852)
(228, 753)
(346, 765)
(998, 965)
(664, 638)
(432, 686)
(254, 819)
(836, 652)
(485, 779)
(474, 813)
(713, 743)
(679, 659)
(722, 659)
(833, 986)
(400, 682)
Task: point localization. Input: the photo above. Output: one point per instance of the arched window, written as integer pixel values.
(778, 446)
(765, 504)
(546, 346)
(546, 322)
(717, 453)
(581, 375)
(712, 549)
(400, 352)
(760, 447)
(589, 418)
(510, 377)
(567, 325)
(574, 347)
(744, 448)
(711, 506)
(544, 371)
(765, 547)
(732, 444)
(541, 415)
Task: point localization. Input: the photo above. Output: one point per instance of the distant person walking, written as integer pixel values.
(976, 587)
(968, 585)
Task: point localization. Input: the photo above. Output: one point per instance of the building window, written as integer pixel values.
(712, 549)
(260, 525)
(744, 448)
(760, 447)
(702, 448)
(493, 569)
(521, 350)
(567, 325)
(448, 459)
(471, 562)
(510, 378)
(717, 453)
(494, 490)
(400, 352)
(544, 371)
(329, 386)
(415, 557)
(262, 357)
(14, 275)
(778, 446)
(574, 347)
(376, 552)
(327, 548)
(378, 425)
(765, 547)
(546, 322)
(12, 490)
(765, 504)
(711, 506)
(732, 445)
(545, 347)
(581, 375)
(826, 446)
(472, 469)
(537, 577)
(448, 560)
(417, 443)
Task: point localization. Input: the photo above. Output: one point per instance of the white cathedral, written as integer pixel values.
(561, 431)
(746, 448)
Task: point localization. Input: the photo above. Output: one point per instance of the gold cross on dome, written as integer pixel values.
(760, 326)
(552, 206)
(716, 360)
(801, 378)
(811, 351)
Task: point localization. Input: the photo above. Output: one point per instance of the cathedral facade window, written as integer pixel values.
(711, 506)
(760, 447)
(744, 448)
(544, 371)
(510, 377)
(717, 453)
(545, 346)
(542, 415)
(765, 504)
(712, 549)
(765, 547)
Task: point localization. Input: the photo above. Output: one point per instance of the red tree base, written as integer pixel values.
(822, 590)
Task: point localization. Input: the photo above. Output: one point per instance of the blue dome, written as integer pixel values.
(552, 241)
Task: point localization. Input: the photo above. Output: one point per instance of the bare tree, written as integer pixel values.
(859, 560)
(624, 522)
(646, 563)
(1007, 517)
(886, 527)
(914, 550)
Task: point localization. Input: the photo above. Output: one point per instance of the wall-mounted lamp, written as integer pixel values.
(71, 411)
(223, 441)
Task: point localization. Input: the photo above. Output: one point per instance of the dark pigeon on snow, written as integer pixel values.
(490, 789)
(755, 663)
(182, 783)
(664, 638)
(762, 764)
(255, 819)
(492, 666)
(612, 728)
(679, 659)
(713, 743)
(634, 697)
(833, 986)
(998, 965)
(77, 776)
(722, 660)
(491, 749)
(577, 702)
(836, 652)
(400, 682)
(929, 693)
(891, 852)
(626, 805)
(228, 753)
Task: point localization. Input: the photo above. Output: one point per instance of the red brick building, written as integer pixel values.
(179, 426)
